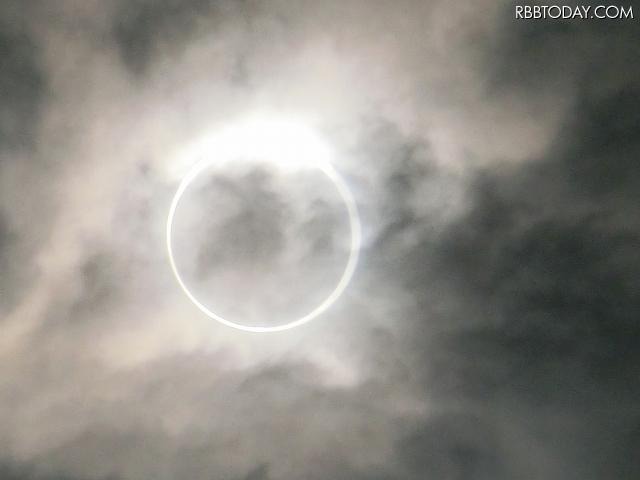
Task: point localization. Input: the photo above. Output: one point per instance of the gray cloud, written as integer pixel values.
(490, 330)
(144, 30)
(262, 215)
(543, 267)
(23, 84)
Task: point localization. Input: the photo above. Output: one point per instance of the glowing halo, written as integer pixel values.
(287, 142)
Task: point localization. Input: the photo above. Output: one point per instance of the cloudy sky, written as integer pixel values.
(491, 330)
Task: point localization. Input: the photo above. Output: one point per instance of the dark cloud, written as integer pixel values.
(543, 269)
(261, 472)
(602, 162)
(23, 92)
(13, 472)
(7, 238)
(491, 331)
(320, 228)
(454, 446)
(564, 55)
(262, 214)
(17, 269)
(22, 86)
(146, 29)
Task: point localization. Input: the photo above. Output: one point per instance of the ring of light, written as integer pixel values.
(354, 224)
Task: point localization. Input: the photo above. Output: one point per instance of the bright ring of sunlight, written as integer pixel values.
(288, 144)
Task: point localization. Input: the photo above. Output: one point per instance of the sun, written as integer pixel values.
(289, 144)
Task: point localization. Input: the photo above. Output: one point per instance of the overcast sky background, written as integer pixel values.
(491, 330)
